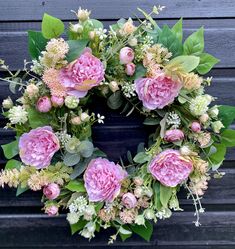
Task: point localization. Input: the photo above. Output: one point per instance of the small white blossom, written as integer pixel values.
(37, 67)
(199, 105)
(71, 102)
(139, 220)
(101, 33)
(18, 115)
(7, 103)
(72, 218)
(100, 119)
(63, 138)
(78, 206)
(173, 120)
(129, 89)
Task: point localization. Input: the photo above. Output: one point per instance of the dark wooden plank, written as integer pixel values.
(13, 46)
(34, 9)
(218, 228)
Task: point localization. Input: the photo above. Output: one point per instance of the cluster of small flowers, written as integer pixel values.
(101, 33)
(173, 120)
(18, 115)
(128, 89)
(63, 137)
(142, 47)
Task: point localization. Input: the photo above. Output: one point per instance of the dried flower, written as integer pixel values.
(18, 115)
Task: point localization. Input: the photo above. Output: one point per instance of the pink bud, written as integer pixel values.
(43, 104)
(129, 200)
(52, 210)
(130, 69)
(57, 101)
(173, 135)
(196, 127)
(126, 55)
(51, 191)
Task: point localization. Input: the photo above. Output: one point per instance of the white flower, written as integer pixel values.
(72, 218)
(37, 67)
(18, 115)
(149, 214)
(133, 42)
(32, 90)
(128, 89)
(199, 105)
(89, 230)
(204, 118)
(217, 126)
(173, 120)
(139, 220)
(100, 119)
(78, 206)
(7, 103)
(213, 112)
(89, 212)
(113, 85)
(84, 117)
(82, 14)
(76, 28)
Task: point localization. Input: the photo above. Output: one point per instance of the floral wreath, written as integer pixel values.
(142, 68)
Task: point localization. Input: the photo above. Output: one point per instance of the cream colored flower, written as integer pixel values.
(128, 28)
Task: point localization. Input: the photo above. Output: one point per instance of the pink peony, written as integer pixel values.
(173, 135)
(52, 210)
(51, 191)
(196, 127)
(82, 74)
(103, 180)
(156, 93)
(129, 200)
(38, 147)
(57, 101)
(130, 69)
(170, 168)
(43, 104)
(126, 55)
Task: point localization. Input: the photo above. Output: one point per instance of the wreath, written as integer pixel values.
(134, 67)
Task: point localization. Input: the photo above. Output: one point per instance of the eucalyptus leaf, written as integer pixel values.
(151, 121)
(115, 101)
(86, 148)
(79, 168)
(141, 157)
(71, 159)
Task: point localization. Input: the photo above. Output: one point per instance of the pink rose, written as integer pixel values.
(156, 93)
(43, 104)
(52, 210)
(126, 55)
(130, 69)
(173, 135)
(170, 168)
(82, 74)
(103, 180)
(195, 127)
(57, 101)
(129, 200)
(38, 147)
(51, 191)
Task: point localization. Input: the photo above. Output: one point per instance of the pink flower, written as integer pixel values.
(51, 191)
(170, 168)
(103, 180)
(82, 74)
(38, 147)
(158, 92)
(173, 135)
(43, 104)
(52, 210)
(126, 55)
(196, 127)
(130, 69)
(129, 200)
(57, 101)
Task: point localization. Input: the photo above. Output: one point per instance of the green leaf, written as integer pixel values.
(178, 30)
(75, 49)
(169, 40)
(141, 157)
(226, 115)
(140, 72)
(10, 150)
(86, 148)
(71, 159)
(143, 231)
(76, 186)
(194, 44)
(157, 201)
(80, 168)
(115, 101)
(125, 232)
(98, 206)
(187, 62)
(228, 138)
(93, 24)
(165, 195)
(207, 62)
(78, 226)
(151, 121)
(52, 27)
(36, 43)
(38, 119)
(13, 164)
(219, 155)
(21, 190)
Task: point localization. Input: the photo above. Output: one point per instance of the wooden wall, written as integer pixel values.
(22, 225)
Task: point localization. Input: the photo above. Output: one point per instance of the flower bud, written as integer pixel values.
(185, 150)
(51, 191)
(126, 55)
(57, 101)
(43, 104)
(129, 200)
(113, 85)
(76, 28)
(71, 102)
(213, 112)
(7, 103)
(133, 42)
(149, 214)
(130, 69)
(84, 117)
(32, 90)
(138, 192)
(83, 14)
(51, 210)
(92, 35)
(204, 118)
(196, 127)
(139, 220)
(138, 181)
(76, 120)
